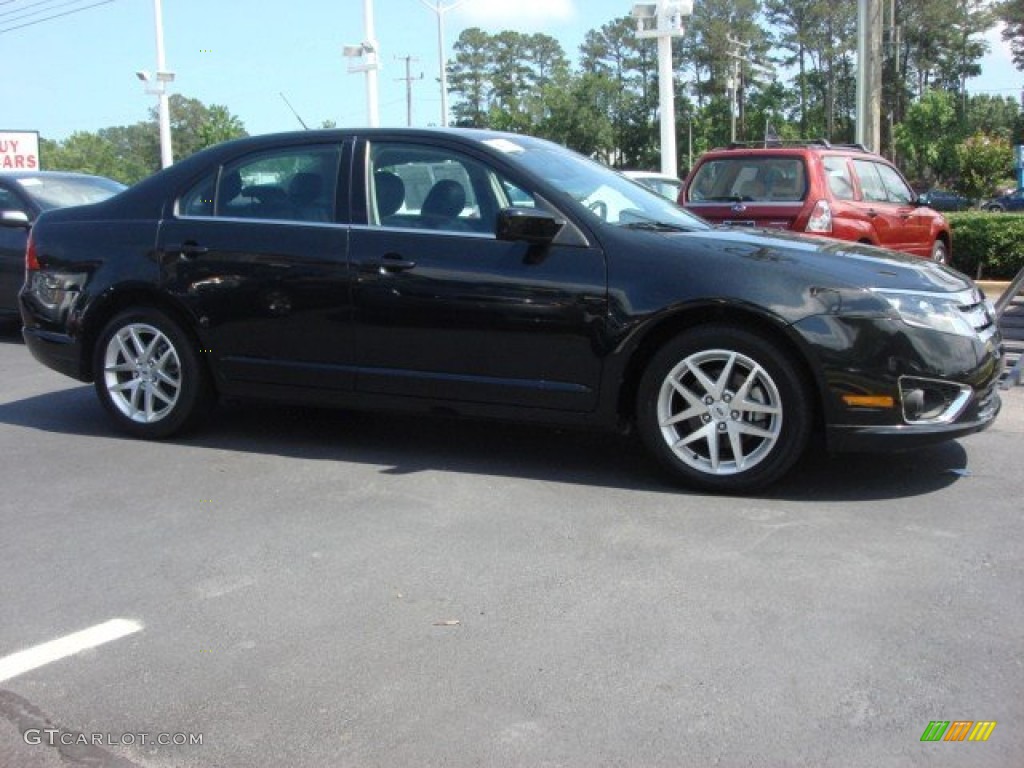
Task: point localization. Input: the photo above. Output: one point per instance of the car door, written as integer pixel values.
(912, 221)
(258, 252)
(444, 309)
(886, 218)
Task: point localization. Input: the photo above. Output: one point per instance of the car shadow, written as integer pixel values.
(409, 443)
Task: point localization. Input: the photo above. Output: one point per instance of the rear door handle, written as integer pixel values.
(189, 249)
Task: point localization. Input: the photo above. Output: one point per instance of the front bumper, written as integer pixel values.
(887, 386)
(979, 415)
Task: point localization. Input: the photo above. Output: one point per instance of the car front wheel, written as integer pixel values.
(148, 374)
(724, 409)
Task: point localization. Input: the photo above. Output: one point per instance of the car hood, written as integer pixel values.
(826, 262)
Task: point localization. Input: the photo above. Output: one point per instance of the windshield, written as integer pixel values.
(63, 191)
(602, 194)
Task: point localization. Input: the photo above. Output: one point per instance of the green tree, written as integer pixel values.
(129, 153)
(195, 126)
(983, 161)
(579, 114)
(928, 136)
(1011, 13)
(469, 78)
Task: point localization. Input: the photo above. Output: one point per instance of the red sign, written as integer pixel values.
(19, 151)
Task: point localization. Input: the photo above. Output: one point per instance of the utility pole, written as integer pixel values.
(738, 57)
(408, 86)
(664, 20)
(156, 85)
(869, 72)
(441, 9)
(368, 49)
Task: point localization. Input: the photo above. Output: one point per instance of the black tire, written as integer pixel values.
(759, 405)
(994, 208)
(148, 375)
(940, 253)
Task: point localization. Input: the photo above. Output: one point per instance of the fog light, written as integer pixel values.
(930, 401)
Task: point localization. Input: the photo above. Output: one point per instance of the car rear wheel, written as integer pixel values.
(940, 254)
(994, 208)
(724, 409)
(148, 375)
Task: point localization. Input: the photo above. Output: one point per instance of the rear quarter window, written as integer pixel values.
(749, 178)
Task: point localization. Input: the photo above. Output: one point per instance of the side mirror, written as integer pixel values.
(528, 225)
(15, 219)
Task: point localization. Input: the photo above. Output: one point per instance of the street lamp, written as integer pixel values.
(664, 20)
(367, 51)
(156, 85)
(441, 9)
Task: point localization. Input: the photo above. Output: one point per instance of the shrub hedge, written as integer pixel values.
(988, 245)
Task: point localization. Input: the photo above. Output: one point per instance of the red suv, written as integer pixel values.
(836, 190)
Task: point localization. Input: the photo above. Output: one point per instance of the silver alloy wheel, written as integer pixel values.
(142, 373)
(720, 412)
(939, 253)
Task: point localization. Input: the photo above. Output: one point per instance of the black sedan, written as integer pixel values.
(23, 196)
(503, 276)
(944, 200)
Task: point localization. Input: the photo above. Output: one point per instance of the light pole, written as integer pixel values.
(368, 49)
(441, 9)
(664, 20)
(157, 86)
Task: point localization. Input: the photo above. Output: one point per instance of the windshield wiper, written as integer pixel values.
(655, 226)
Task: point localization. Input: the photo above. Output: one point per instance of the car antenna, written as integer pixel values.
(301, 121)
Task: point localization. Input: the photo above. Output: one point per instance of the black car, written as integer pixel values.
(1011, 201)
(498, 275)
(23, 196)
(944, 200)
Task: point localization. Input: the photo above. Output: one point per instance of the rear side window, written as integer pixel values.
(840, 183)
(750, 179)
(288, 184)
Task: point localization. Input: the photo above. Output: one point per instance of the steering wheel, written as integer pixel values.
(600, 208)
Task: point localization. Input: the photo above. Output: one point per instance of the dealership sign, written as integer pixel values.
(19, 150)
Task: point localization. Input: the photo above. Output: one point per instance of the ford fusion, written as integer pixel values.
(500, 276)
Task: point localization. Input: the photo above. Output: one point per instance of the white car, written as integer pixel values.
(663, 184)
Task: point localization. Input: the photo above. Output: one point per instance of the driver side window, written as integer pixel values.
(416, 186)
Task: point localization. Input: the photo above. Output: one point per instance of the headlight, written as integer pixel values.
(929, 310)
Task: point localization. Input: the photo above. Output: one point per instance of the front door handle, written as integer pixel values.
(390, 264)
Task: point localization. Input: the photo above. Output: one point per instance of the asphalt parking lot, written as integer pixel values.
(317, 588)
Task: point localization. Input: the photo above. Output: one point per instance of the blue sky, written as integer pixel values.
(78, 72)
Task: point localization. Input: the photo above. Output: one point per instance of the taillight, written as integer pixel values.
(821, 218)
(31, 262)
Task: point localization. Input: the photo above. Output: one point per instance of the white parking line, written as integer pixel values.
(40, 655)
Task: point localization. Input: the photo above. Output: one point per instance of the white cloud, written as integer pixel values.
(520, 15)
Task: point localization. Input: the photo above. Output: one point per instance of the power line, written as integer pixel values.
(55, 16)
(19, 13)
(22, 8)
